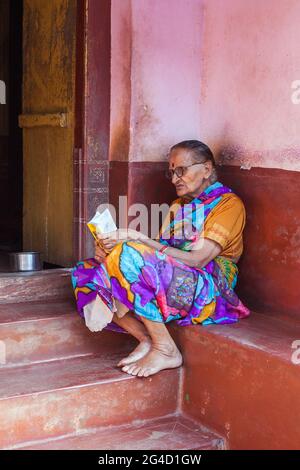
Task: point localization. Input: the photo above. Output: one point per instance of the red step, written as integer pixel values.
(173, 432)
(36, 331)
(73, 395)
(250, 388)
(36, 285)
(60, 385)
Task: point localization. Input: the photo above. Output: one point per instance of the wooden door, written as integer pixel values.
(49, 33)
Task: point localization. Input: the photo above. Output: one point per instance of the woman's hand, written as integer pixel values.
(99, 253)
(109, 240)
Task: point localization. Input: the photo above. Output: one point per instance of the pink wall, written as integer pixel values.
(163, 90)
(218, 70)
(250, 56)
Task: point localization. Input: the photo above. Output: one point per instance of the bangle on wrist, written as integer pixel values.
(163, 248)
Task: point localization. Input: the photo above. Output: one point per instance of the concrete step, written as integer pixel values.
(173, 432)
(36, 285)
(66, 396)
(250, 386)
(37, 331)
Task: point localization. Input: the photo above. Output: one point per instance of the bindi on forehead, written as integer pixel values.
(180, 157)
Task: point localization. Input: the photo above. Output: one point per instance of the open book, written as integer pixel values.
(101, 223)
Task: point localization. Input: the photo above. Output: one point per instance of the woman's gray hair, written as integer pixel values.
(201, 153)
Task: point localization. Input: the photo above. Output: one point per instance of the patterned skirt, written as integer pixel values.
(158, 287)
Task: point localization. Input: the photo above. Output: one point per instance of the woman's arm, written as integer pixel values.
(194, 258)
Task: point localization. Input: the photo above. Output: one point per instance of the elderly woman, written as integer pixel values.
(186, 276)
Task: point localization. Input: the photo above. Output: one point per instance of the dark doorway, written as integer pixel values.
(11, 167)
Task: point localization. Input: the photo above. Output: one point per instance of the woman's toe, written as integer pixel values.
(141, 372)
(136, 370)
(121, 363)
(129, 368)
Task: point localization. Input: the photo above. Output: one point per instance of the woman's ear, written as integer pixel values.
(208, 169)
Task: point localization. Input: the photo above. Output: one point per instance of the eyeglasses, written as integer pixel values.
(180, 171)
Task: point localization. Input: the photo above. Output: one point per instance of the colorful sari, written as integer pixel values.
(159, 287)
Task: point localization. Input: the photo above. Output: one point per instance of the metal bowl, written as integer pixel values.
(25, 261)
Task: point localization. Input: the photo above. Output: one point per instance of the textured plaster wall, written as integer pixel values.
(217, 70)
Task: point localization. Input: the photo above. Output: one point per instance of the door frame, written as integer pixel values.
(92, 119)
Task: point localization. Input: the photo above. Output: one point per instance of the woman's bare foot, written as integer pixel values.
(158, 358)
(140, 351)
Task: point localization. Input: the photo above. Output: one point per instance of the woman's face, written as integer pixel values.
(195, 178)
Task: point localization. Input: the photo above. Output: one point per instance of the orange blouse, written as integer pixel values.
(225, 225)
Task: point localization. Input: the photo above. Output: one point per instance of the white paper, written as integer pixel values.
(103, 222)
